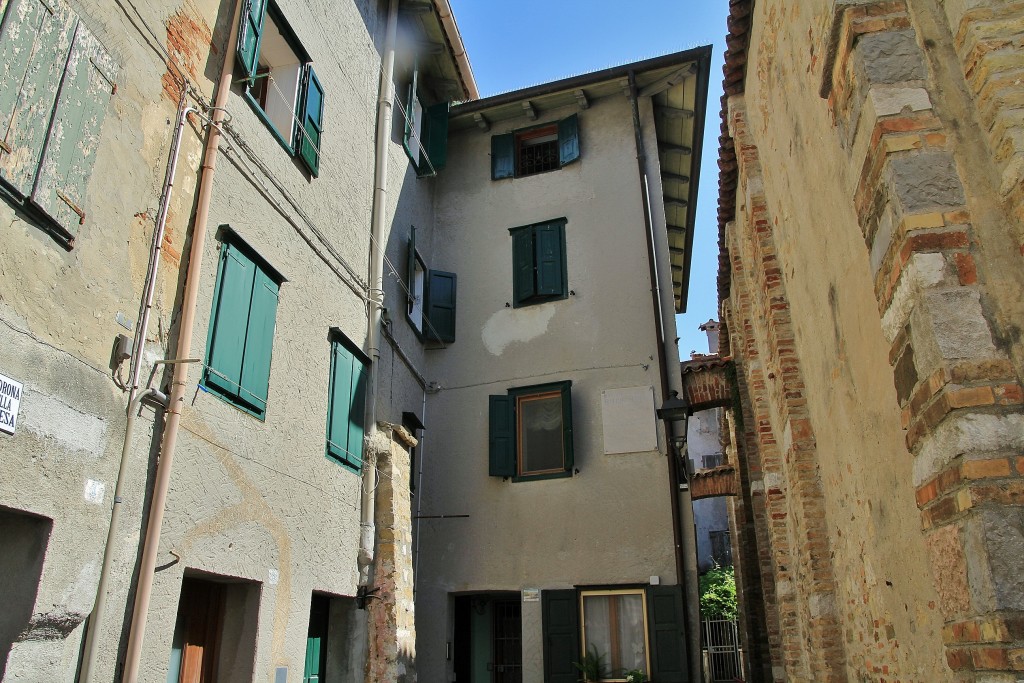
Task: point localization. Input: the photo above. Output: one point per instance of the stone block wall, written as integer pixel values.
(871, 183)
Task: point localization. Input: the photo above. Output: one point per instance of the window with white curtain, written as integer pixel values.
(615, 624)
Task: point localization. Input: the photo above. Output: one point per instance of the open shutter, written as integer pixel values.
(567, 425)
(548, 243)
(568, 140)
(560, 614)
(435, 134)
(523, 268)
(338, 409)
(666, 620)
(440, 306)
(357, 414)
(249, 33)
(35, 40)
(503, 153)
(226, 345)
(312, 117)
(410, 271)
(501, 437)
(413, 122)
(75, 132)
(259, 341)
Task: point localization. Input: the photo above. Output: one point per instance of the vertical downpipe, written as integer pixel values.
(385, 103)
(179, 380)
(684, 534)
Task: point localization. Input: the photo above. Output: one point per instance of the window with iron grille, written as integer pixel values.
(538, 149)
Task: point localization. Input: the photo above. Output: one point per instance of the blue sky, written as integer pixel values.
(517, 44)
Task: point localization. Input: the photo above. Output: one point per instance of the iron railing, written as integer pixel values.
(721, 651)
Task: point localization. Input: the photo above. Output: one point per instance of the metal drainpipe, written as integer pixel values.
(684, 534)
(375, 303)
(180, 377)
(96, 619)
(146, 305)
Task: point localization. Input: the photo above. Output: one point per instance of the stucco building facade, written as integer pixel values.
(871, 233)
(272, 305)
(219, 198)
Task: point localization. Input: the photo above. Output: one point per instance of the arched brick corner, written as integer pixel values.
(707, 383)
(720, 481)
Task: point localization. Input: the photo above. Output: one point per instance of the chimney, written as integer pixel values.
(711, 327)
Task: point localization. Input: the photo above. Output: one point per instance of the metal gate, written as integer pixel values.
(723, 657)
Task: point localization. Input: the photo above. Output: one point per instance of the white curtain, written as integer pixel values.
(625, 648)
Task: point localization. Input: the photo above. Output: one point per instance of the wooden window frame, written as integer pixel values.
(642, 593)
(520, 459)
(256, 88)
(525, 138)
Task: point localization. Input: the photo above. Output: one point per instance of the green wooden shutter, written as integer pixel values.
(229, 321)
(435, 134)
(503, 156)
(410, 140)
(35, 39)
(311, 671)
(666, 626)
(339, 405)
(549, 243)
(439, 308)
(410, 271)
(560, 615)
(250, 31)
(567, 425)
(501, 437)
(311, 128)
(568, 140)
(259, 342)
(524, 281)
(356, 414)
(70, 151)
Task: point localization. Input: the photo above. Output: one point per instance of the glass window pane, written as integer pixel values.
(540, 433)
(631, 651)
(614, 625)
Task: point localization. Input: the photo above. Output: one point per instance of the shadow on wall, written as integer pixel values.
(21, 566)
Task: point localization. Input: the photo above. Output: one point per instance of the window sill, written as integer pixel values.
(537, 301)
(540, 477)
(338, 460)
(233, 401)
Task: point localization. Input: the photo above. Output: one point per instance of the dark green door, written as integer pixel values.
(316, 640)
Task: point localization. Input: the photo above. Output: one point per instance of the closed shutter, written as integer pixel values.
(35, 40)
(356, 414)
(311, 671)
(550, 259)
(524, 284)
(440, 306)
(568, 140)
(249, 33)
(501, 437)
(503, 158)
(75, 132)
(666, 625)
(259, 342)
(567, 425)
(561, 636)
(339, 406)
(226, 345)
(435, 123)
(312, 116)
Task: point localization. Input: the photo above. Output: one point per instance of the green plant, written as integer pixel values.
(635, 676)
(591, 666)
(718, 593)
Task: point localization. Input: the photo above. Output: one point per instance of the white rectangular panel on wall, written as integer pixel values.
(629, 420)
